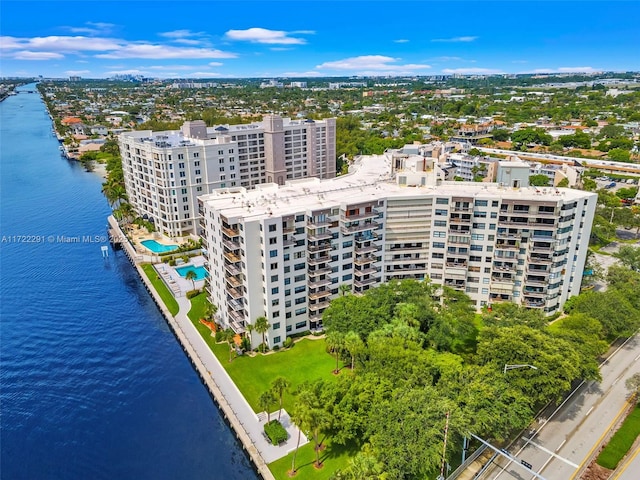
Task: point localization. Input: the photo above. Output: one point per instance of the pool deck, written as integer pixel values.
(179, 285)
(248, 425)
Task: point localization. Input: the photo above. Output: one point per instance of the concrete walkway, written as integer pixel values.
(252, 423)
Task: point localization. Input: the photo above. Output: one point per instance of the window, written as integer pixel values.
(274, 266)
(273, 241)
(300, 300)
(300, 289)
(477, 236)
(441, 213)
(347, 244)
(275, 290)
(442, 201)
(481, 203)
(274, 278)
(299, 278)
(275, 302)
(347, 277)
(273, 253)
(438, 244)
(276, 314)
(287, 281)
(439, 234)
(272, 228)
(276, 339)
(476, 248)
(440, 223)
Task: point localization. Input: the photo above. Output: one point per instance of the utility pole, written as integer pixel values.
(444, 448)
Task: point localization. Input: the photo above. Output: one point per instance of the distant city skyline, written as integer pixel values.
(199, 39)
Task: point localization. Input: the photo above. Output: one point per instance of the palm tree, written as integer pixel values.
(228, 336)
(261, 326)
(278, 386)
(344, 289)
(265, 401)
(298, 417)
(354, 345)
(209, 310)
(335, 342)
(313, 417)
(191, 275)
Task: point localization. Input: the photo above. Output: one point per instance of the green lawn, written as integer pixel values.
(306, 360)
(166, 296)
(334, 457)
(621, 441)
(198, 305)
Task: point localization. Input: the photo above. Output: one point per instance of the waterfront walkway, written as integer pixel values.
(252, 423)
(248, 426)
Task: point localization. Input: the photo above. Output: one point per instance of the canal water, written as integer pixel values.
(92, 382)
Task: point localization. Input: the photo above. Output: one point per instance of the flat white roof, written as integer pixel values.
(370, 180)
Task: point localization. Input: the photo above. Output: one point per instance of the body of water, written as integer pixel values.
(93, 383)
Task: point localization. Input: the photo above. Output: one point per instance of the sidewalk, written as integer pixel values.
(245, 416)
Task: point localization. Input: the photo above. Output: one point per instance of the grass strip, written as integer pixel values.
(621, 441)
(166, 296)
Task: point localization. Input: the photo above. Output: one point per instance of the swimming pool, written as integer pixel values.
(201, 272)
(156, 247)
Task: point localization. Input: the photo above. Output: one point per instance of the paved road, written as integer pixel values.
(565, 441)
(629, 469)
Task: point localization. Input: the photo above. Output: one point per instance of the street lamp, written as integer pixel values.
(511, 367)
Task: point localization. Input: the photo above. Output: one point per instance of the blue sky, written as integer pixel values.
(286, 38)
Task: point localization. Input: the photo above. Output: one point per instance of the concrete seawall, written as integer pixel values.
(223, 405)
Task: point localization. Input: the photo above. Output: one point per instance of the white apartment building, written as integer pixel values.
(165, 172)
(283, 251)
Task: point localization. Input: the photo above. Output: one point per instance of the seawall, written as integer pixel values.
(205, 376)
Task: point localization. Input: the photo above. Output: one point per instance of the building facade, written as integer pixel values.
(165, 172)
(285, 251)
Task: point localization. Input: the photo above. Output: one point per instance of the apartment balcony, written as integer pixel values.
(501, 245)
(318, 305)
(358, 217)
(235, 293)
(236, 305)
(238, 327)
(232, 269)
(456, 231)
(232, 246)
(455, 284)
(462, 209)
(316, 237)
(508, 235)
(406, 268)
(499, 297)
(318, 271)
(287, 242)
(538, 270)
(315, 317)
(320, 283)
(532, 303)
(541, 224)
(288, 229)
(539, 259)
(230, 232)
(364, 259)
(318, 224)
(460, 265)
(319, 247)
(237, 316)
(318, 260)
(509, 267)
(231, 257)
(460, 241)
(538, 292)
(319, 294)
(366, 237)
(365, 271)
(366, 249)
(233, 281)
(365, 281)
(537, 280)
(541, 249)
(407, 259)
(359, 228)
(503, 280)
(461, 220)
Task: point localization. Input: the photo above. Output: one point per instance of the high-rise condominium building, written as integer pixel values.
(284, 251)
(164, 172)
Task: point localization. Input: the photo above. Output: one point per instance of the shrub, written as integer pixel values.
(288, 342)
(246, 344)
(276, 432)
(263, 348)
(276, 348)
(218, 335)
(172, 262)
(192, 293)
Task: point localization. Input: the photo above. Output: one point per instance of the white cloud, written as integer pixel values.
(75, 73)
(578, 70)
(471, 71)
(401, 40)
(28, 55)
(64, 44)
(163, 52)
(372, 65)
(455, 39)
(215, 64)
(94, 28)
(263, 35)
(280, 49)
(448, 59)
